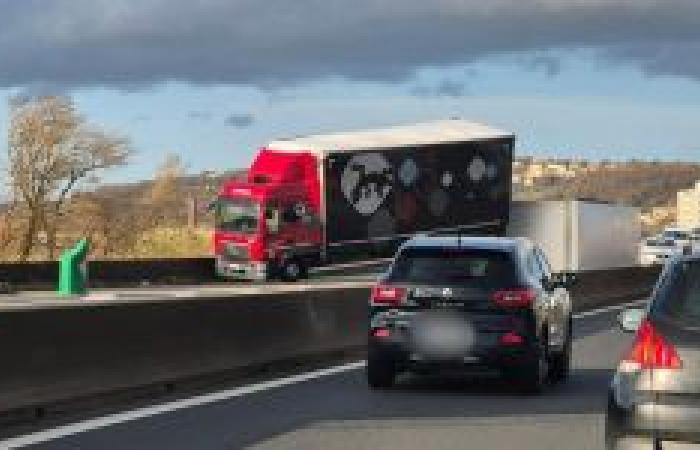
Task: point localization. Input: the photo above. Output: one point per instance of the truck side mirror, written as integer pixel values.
(272, 220)
(563, 279)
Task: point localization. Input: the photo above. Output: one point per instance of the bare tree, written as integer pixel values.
(165, 196)
(51, 150)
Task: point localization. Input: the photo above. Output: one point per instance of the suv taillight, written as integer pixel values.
(651, 351)
(515, 298)
(388, 295)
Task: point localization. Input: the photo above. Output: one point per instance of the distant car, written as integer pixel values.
(471, 304)
(654, 399)
(695, 241)
(657, 251)
(680, 237)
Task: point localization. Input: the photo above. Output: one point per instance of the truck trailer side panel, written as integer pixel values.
(382, 194)
(579, 235)
(607, 236)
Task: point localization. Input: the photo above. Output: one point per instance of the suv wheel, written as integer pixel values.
(381, 371)
(533, 377)
(560, 365)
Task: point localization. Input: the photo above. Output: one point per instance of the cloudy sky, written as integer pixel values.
(215, 79)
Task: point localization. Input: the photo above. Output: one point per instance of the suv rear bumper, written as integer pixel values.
(482, 358)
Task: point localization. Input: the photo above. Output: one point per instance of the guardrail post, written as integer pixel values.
(72, 277)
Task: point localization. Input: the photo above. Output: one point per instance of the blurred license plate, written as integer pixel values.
(442, 336)
(447, 304)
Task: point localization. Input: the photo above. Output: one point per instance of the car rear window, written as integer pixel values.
(481, 268)
(657, 243)
(679, 294)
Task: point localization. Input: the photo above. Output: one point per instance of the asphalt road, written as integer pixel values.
(339, 412)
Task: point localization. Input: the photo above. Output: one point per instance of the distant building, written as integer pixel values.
(529, 172)
(688, 207)
(657, 218)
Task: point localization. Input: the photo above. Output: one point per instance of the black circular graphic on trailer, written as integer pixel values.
(366, 182)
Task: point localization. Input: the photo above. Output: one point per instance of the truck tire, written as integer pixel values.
(292, 270)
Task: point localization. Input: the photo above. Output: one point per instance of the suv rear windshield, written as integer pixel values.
(676, 235)
(679, 294)
(472, 267)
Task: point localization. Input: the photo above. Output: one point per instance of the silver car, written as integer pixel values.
(654, 399)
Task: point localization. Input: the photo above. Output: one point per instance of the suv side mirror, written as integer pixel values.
(563, 280)
(631, 319)
(548, 284)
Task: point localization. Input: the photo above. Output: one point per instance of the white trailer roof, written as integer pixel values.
(437, 132)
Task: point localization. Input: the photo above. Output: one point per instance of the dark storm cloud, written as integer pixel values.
(549, 64)
(239, 120)
(274, 43)
(445, 88)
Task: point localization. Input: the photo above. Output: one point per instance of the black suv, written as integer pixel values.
(473, 304)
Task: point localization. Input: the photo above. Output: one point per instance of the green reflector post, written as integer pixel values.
(72, 277)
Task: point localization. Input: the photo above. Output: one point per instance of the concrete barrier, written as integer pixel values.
(55, 354)
(597, 288)
(135, 272)
(43, 275)
(58, 354)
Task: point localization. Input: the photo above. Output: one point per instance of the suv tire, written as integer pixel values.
(381, 371)
(532, 377)
(560, 364)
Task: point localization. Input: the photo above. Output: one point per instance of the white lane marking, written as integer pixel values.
(595, 312)
(142, 413)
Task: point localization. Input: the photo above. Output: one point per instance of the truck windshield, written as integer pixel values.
(237, 215)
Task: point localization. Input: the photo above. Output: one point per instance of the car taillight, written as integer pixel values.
(381, 332)
(511, 338)
(651, 351)
(388, 295)
(515, 298)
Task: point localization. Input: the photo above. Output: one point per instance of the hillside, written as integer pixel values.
(645, 185)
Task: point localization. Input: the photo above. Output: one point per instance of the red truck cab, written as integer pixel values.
(268, 223)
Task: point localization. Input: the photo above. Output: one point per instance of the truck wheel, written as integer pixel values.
(381, 372)
(292, 270)
(560, 365)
